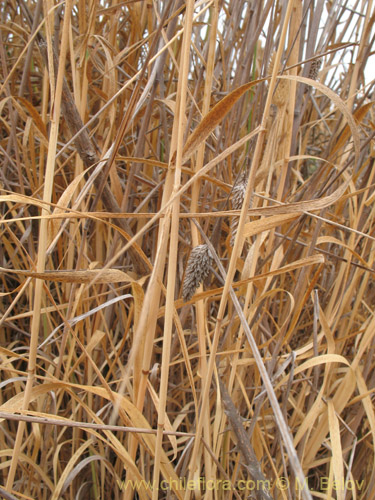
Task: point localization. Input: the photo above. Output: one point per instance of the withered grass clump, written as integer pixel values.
(125, 129)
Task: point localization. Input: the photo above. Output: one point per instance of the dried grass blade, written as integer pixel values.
(305, 206)
(368, 405)
(306, 261)
(83, 276)
(69, 478)
(34, 114)
(67, 471)
(21, 198)
(358, 116)
(340, 105)
(337, 458)
(63, 203)
(167, 424)
(244, 444)
(213, 118)
(284, 430)
(135, 416)
(343, 392)
(258, 226)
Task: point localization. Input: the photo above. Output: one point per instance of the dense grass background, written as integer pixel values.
(131, 132)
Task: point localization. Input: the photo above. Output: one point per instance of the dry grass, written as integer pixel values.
(204, 125)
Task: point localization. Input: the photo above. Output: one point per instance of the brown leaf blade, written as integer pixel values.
(345, 134)
(83, 276)
(213, 118)
(258, 226)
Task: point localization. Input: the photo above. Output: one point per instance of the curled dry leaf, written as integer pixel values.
(213, 118)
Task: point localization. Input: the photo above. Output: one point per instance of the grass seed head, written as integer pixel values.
(238, 196)
(314, 69)
(197, 270)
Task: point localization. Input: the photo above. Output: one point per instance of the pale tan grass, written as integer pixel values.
(107, 374)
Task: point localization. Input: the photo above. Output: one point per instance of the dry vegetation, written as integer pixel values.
(238, 125)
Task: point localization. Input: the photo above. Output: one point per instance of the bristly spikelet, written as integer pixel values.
(314, 69)
(197, 270)
(238, 196)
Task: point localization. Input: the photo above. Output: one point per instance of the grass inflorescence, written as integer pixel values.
(187, 233)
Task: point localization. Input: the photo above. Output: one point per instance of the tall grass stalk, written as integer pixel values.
(187, 249)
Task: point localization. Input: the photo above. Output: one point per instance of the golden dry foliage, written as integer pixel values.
(132, 133)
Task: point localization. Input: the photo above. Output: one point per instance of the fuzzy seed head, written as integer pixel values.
(197, 270)
(314, 69)
(238, 196)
